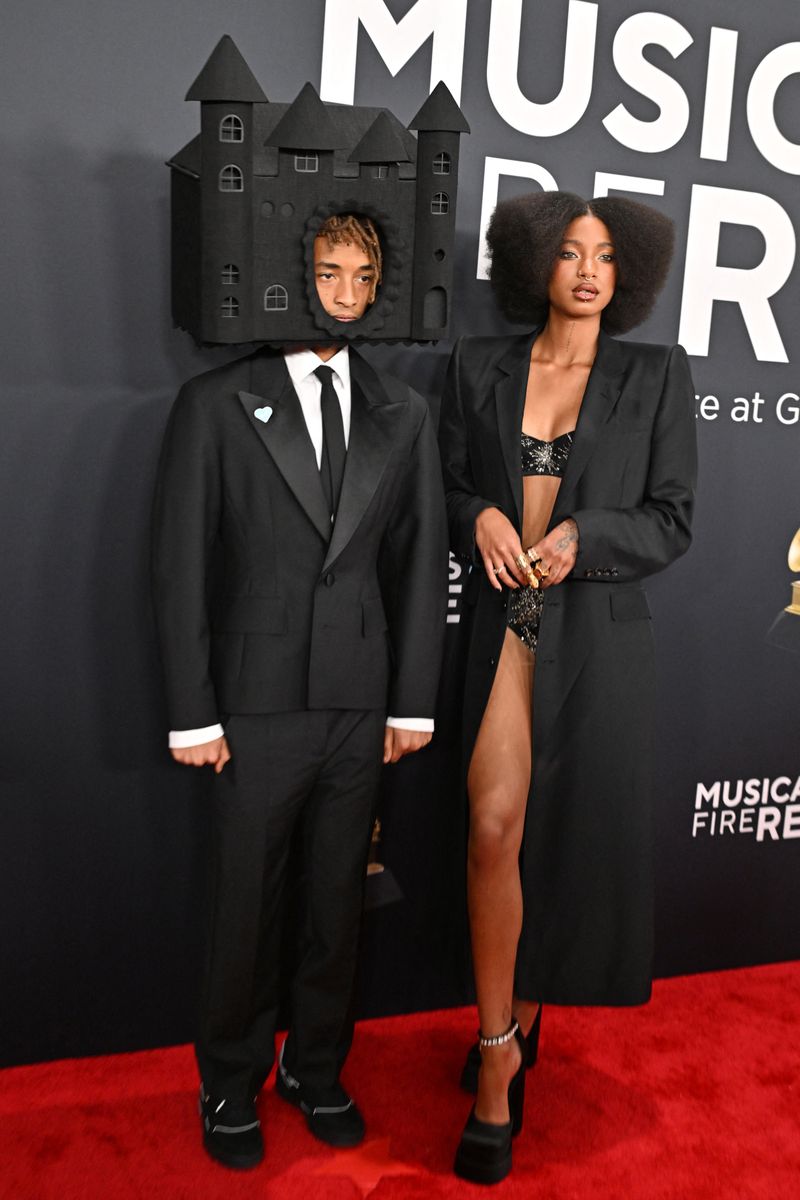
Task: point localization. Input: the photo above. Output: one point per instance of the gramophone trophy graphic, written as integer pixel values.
(785, 629)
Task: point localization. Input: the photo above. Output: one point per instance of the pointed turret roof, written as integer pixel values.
(440, 113)
(306, 125)
(380, 144)
(226, 76)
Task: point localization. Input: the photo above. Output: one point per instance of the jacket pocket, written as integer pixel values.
(252, 614)
(629, 605)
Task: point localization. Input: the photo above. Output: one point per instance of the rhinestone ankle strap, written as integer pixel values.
(500, 1039)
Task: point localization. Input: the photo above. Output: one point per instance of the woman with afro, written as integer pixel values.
(569, 461)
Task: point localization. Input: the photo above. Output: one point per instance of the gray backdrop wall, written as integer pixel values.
(103, 839)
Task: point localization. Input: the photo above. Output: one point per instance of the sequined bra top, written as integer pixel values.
(545, 458)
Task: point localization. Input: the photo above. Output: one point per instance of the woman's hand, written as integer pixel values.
(499, 546)
(558, 552)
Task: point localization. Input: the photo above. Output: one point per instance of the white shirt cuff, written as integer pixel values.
(418, 724)
(179, 739)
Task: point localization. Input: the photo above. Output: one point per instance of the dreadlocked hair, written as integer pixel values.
(342, 228)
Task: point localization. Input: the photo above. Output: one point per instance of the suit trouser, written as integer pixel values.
(315, 774)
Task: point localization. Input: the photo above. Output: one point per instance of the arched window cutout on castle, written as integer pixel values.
(276, 298)
(230, 275)
(231, 179)
(306, 164)
(440, 204)
(434, 308)
(231, 129)
(230, 307)
(441, 163)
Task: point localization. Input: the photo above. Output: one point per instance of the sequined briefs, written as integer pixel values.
(526, 603)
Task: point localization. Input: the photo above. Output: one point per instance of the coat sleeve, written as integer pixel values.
(461, 496)
(185, 521)
(414, 575)
(628, 544)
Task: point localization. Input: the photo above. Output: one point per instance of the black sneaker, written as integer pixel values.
(331, 1115)
(231, 1131)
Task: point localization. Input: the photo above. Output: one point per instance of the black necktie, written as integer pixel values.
(333, 448)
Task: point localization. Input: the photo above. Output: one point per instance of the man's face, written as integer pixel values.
(346, 279)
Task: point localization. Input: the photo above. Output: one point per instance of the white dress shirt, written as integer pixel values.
(301, 365)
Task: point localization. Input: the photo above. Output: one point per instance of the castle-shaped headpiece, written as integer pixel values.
(251, 190)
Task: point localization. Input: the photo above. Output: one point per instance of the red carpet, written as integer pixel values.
(695, 1096)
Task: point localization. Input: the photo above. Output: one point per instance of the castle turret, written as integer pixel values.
(381, 148)
(307, 132)
(439, 124)
(227, 91)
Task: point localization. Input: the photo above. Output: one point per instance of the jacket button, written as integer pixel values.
(492, 662)
(329, 579)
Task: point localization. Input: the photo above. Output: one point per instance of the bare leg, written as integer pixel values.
(498, 783)
(525, 1012)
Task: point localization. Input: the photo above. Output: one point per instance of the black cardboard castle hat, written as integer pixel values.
(251, 190)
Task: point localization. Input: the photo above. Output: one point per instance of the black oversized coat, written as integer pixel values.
(629, 485)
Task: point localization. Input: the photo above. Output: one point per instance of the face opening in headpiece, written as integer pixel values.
(347, 266)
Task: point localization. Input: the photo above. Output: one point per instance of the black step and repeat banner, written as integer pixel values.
(693, 106)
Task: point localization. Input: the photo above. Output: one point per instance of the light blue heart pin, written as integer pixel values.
(263, 414)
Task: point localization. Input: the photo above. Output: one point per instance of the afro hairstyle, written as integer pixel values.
(524, 237)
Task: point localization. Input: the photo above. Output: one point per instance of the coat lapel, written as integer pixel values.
(509, 396)
(368, 451)
(285, 436)
(601, 395)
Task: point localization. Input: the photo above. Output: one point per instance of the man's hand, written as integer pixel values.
(397, 742)
(214, 754)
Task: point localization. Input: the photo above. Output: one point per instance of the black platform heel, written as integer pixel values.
(472, 1063)
(484, 1152)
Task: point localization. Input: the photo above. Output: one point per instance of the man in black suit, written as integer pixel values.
(300, 557)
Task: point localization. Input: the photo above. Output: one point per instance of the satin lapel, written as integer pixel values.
(509, 396)
(369, 448)
(599, 399)
(285, 435)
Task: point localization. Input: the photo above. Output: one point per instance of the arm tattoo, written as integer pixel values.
(569, 535)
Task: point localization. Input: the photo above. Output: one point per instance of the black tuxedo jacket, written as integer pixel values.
(262, 606)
